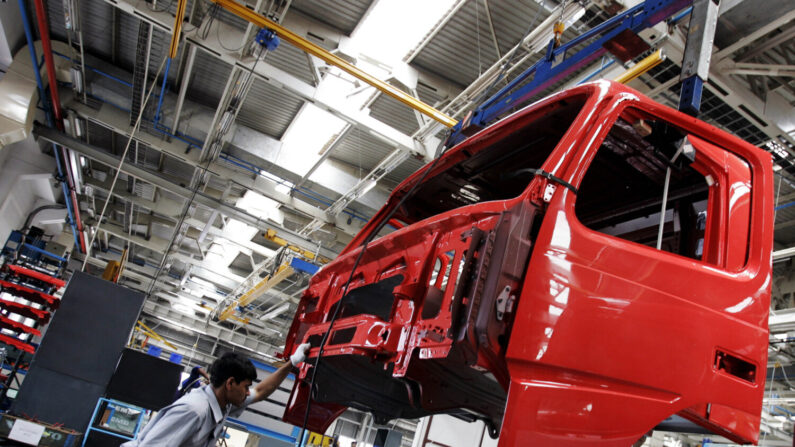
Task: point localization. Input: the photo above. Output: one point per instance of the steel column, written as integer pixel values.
(698, 54)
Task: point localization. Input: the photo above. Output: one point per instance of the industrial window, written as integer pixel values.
(641, 161)
(498, 172)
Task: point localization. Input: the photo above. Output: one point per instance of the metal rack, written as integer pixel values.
(106, 419)
(30, 273)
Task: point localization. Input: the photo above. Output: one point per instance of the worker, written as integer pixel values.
(196, 419)
(193, 381)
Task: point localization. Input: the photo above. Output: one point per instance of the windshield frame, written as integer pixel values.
(556, 162)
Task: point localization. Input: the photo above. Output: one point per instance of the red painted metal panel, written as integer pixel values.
(19, 270)
(42, 316)
(19, 344)
(17, 327)
(589, 339)
(30, 294)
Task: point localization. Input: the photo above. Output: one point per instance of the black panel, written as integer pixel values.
(54, 398)
(144, 380)
(99, 439)
(79, 352)
(90, 329)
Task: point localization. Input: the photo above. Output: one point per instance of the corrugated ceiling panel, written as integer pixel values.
(459, 52)
(292, 60)
(402, 172)
(268, 109)
(362, 150)
(99, 136)
(95, 19)
(160, 43)
(394, 113)
(54, 17)
(341, 14)
(229, 18)
(428, 94)
(128, 40)
(209, 79)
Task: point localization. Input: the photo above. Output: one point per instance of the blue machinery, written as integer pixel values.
(618, 35)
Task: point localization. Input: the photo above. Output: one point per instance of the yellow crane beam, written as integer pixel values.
(319, 52)
(172, 49)
(283, 272)
(641, 67)
(152, 334)
(272, 236)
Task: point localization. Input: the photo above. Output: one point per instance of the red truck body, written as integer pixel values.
(524, 285)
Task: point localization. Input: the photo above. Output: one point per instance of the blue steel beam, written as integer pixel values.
(558, 64)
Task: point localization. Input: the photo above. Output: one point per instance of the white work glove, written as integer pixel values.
(300, 354)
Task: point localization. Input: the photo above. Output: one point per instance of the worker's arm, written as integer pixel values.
(204, 374)
(270, 383)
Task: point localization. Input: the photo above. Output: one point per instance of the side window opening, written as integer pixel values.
(623, 190)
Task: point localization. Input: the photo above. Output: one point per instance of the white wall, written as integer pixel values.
(26, 182)
(12, 34)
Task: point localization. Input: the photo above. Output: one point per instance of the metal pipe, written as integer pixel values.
(34, 59)
(47, 51)
(56, 105)
(641, 67)
(162, 92)
(183, 88)
(172, 53)
(315, 50)
(43, 96)
(32, 214)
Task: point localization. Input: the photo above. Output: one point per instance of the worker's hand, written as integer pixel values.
(300, 354)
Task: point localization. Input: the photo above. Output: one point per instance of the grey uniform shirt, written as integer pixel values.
(194, 420)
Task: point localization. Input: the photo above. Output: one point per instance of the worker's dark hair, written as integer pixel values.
(232, 365)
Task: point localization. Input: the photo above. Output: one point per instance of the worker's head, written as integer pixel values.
(233, 374)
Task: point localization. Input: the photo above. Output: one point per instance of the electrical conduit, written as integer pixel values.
(56, 105)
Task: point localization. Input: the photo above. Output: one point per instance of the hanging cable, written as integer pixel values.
(204, 31)
(366, 242)
(220, 42)
(216, 141)
(504, 67)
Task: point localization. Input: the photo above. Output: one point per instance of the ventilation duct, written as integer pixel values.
(19, 94)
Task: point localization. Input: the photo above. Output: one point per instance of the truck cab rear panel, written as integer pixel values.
(537, 285)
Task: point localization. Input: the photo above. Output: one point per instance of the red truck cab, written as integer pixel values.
(572, 275)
